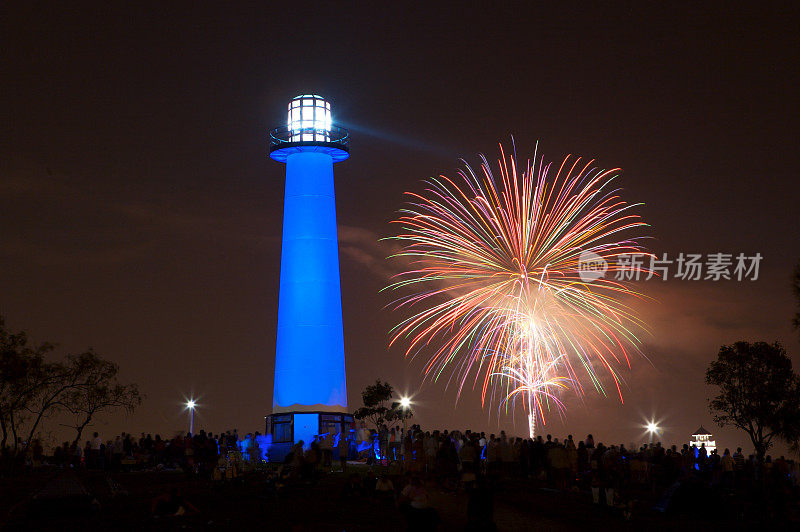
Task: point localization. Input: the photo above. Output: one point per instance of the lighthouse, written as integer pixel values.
(310, 389)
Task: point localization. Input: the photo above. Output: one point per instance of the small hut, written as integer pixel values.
(702, 437)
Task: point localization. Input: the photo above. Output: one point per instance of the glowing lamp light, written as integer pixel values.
(190, 404)
(653, 429)
(309, 118)
(405, 402)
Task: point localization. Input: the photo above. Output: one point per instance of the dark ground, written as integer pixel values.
(250, 505)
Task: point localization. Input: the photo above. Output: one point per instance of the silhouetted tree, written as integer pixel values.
(759, 392)
(23, 372)
(105, 395)
(59, 382)
(33, 389)
(378, 408)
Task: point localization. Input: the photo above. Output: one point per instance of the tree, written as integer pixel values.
(33, 389)
(759, 392)
(106, 395)
(378, 409)
(23, 371)
(61, 382)
(375, 397)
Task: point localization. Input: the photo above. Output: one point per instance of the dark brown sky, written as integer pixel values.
(140, 214)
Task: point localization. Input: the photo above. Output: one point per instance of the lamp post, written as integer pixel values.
(190, 404)
(405, 402)
(652, 428)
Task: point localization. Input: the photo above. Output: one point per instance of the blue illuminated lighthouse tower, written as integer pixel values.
(310, 392)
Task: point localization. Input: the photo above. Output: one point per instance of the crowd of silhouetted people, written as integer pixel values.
(584, 464)
(616, 477)
(198, 453)
(404, 465)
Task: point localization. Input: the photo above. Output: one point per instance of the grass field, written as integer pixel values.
(250, 503)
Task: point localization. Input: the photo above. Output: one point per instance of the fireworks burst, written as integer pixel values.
(497, 284)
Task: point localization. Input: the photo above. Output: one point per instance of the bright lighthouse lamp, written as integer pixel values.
(309, 129)
(309, 118)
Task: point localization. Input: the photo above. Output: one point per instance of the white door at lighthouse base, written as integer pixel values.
(306, 426)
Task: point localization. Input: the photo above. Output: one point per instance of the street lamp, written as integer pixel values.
(405, 402)
(652, 429)
(190, 404)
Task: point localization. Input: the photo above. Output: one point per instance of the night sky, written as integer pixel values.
(141, 215)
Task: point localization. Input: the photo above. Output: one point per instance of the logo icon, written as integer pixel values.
(591, 266)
